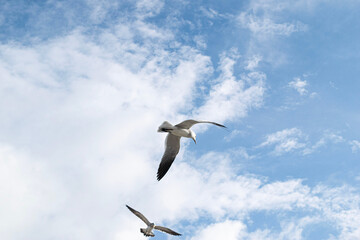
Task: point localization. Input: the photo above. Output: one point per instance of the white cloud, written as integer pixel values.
(285, 140)
(327, 138)
(146, 8)
(210, 13)
(253, 62)
(200, 42)
(299, 85)
(86, 110)
(151, 31)
(231, 97)
(232, 135)
(78, 141)
(292, 139)
(223, 195)
(262, 19)
(266, 27)
(355, 145)
(81, 106)
(230, 230)
(293, 6)
(213, 14)
(30, 195)
(100, 9)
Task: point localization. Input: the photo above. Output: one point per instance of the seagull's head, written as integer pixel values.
(193, 136)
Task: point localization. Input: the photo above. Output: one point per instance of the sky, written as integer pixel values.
(84, 85)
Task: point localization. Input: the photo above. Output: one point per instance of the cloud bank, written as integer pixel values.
(78, 141)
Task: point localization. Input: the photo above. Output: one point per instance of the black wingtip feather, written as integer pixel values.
(218, 124)
(158, 177)
(160, 174)
(164, 168)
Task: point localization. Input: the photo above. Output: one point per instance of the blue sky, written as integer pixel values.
(85, 84)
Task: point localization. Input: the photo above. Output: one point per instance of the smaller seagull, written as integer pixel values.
(150, 226)
(172, 141)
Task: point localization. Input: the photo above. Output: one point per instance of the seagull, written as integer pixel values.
(172, 141)
(150, 226)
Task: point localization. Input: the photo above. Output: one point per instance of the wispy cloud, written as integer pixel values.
(267, 24)
(355, 146)
(200, 42)
(232, 135)
(211, 13)
(232, 196)
(266, 27)
(263, 18)
(231, 97)
(285, 140)
(299, 85)
(328, 137)
(253, 62)
(227, 229)
(293, 139)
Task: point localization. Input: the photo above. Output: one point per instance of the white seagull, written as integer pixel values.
(150, 226)
(172, 141)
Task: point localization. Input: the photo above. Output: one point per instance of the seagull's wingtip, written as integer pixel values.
(158, 177)
(220, 125)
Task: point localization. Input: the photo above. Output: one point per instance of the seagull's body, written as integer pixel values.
(178, 130)
(148, 231)
(172, 141)
(150, 226)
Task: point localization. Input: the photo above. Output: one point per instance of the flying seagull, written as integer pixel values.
(172, 141)
(150, 226)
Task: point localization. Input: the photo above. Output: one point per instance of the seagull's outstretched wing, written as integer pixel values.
(142, 217)
(172, 143)
(189, 123)
(167, 230)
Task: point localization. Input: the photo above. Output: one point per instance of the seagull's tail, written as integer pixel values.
(143, 230)
(165, 127)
